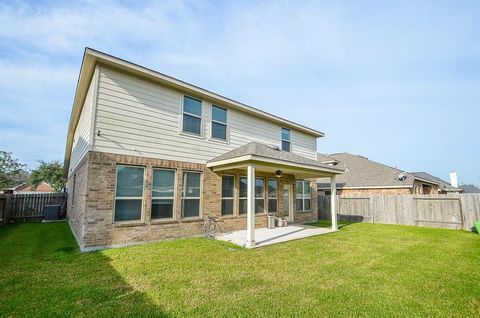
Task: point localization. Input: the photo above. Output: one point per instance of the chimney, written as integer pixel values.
(453, 179)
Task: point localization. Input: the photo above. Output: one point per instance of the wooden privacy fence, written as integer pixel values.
(441, 211)
(28, 206)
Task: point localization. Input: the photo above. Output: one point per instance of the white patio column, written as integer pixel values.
(333, 200)
(250, 206)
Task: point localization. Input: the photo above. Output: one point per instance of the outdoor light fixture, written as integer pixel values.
(278, 173)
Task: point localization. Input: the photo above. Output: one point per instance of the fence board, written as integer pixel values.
(2, 211)
(441, 211)
(28, 206)
(470, 210)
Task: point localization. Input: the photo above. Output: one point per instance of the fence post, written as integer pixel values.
(7, 209)
(462, 220)
(372, 210)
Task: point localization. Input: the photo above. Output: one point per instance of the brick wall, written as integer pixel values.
(424, 188)
(77, 199)
(98, 206)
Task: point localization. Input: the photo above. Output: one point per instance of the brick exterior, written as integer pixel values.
(424, 188)
(92, 210)
(77, 199)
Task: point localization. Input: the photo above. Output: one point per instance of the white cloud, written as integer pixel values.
(349, 59)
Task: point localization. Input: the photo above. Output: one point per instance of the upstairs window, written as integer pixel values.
(129, 193)
(286, 139)
(192, 115)
(219, 123)
(304, 196)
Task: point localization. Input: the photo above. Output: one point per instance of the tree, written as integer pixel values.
(10, 169)
(49, 172)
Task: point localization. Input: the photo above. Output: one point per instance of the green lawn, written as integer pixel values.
(363, 270)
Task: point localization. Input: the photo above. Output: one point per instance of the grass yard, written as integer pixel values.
(363, 270)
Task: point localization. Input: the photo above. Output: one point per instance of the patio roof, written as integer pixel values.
(254, 157)
(271, 158)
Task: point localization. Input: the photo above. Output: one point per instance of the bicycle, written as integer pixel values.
(210, 227)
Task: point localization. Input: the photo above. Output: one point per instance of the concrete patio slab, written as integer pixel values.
(264, 236)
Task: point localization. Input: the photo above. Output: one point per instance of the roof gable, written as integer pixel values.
(93, 57)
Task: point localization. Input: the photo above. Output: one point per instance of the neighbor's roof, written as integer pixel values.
(444, 185)
(92, 57)
(360, 172)
(323, 158)
(470, 188)
(271, 152)
(43, 186)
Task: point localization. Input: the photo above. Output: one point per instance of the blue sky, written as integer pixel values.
(395, 81)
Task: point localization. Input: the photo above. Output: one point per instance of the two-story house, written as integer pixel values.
(148, 157)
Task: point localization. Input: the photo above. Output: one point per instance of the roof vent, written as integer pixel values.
(402, 176)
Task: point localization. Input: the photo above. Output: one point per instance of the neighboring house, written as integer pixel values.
(364, 176)
(27, 188)
(444, 186)
(469, 188)
(149, 157)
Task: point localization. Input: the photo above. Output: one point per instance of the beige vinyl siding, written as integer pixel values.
(136, 117)
(303, 144)
(82, 139)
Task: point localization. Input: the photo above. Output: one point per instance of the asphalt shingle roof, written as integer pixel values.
(362, 172)
(443, 184)
(323, 158)
(262, 150)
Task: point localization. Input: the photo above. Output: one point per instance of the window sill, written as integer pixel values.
(162, 221)
(245, 215)
(304, 211)
(128, 224)
(228, 216)
(221, 141)
(191, 219)
(193, 135)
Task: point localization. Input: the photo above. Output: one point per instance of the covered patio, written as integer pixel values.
(264, 236)
(255, 157)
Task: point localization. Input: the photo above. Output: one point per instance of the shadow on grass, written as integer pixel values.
(44, 274)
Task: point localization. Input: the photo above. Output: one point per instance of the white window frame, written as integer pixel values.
(141, 220)
(239, 194)
(255, 196)
(193, 115)
(192, 198)
(272, 197)
(262, 197)
(303, 195)
(228, 198)
(159, 198)
(289, 140)
(220, 123)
